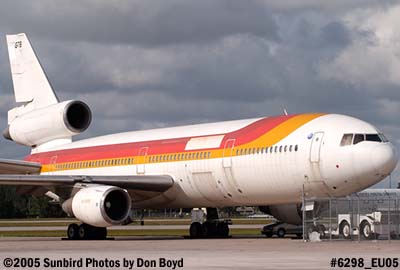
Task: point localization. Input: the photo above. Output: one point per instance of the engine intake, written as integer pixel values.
(99, 206)
(77, 116)
(58, 121)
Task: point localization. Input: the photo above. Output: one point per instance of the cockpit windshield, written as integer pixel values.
(349, 139)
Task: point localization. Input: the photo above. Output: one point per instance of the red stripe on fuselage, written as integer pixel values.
(155, 147)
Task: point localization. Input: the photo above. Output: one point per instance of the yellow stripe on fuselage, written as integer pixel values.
(268, 139)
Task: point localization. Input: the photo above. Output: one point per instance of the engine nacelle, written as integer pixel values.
(288, 213)
(58, 121)
(99, 206)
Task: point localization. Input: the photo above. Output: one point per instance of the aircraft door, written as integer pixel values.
(227, 153)
(316, 144)
(140, 168)
(314, 184)
(53, 162)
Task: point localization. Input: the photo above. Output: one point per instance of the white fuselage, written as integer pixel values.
(274, 167)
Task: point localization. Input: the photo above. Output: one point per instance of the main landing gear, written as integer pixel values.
(212, 227)
(86, 232)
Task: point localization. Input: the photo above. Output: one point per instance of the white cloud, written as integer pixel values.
(373, 58)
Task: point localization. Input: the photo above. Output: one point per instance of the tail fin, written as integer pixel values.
(30, 82)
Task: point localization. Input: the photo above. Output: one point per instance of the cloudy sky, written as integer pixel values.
(153, 63)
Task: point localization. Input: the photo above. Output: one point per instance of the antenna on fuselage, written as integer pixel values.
(285, 112)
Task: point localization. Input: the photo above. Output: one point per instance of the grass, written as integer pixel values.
(63, 222)
(44, 223)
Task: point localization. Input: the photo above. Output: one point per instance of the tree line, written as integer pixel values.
(13, 205)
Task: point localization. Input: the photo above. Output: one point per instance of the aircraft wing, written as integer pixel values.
(157, 183)
(10, 166)
(26, 177)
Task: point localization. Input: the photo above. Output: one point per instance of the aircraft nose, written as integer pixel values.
(384, 159)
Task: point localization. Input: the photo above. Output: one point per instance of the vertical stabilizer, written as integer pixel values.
(31, 86)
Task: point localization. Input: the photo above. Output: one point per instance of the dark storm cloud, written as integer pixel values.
(145, 23)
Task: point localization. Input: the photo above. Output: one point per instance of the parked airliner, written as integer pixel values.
(269, 162)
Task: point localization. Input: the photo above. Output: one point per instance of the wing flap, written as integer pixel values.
(10, 166)
(158, 183)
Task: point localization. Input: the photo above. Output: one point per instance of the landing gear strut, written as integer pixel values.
(86, 232)
(212, 227)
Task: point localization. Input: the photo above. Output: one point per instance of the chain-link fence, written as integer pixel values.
(369, 215)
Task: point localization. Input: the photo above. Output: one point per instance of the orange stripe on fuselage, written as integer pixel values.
(264, 132)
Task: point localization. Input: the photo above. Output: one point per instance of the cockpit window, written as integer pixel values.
(383, 138)
(373, 138)
(358, 138)
(346, 140)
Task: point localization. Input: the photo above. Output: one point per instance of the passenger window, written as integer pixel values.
(290, 148)
(373, 138)
(285, 149)
(346, 139)
(276, 149)
(358, 138)
(296, 148)
(258, 150)
(280, 148)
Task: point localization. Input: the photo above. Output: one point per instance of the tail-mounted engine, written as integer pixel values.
(58, 121)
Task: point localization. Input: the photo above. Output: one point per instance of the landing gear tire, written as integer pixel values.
(73, 231)
(195, 230)
(223, 229)
(83, 231)
(209, 229)
(344, 230)
(86, 232)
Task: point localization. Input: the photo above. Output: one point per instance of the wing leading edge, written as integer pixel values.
(157, 183)
(25, 173)
(10, 166)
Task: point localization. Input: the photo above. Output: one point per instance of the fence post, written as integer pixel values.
(304, 215)
(389, 226)
(330, 219)
(358, 218)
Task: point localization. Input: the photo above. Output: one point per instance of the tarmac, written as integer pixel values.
(239, 252)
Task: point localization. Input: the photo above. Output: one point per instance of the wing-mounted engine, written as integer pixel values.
(55, 122)
(99, 206)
